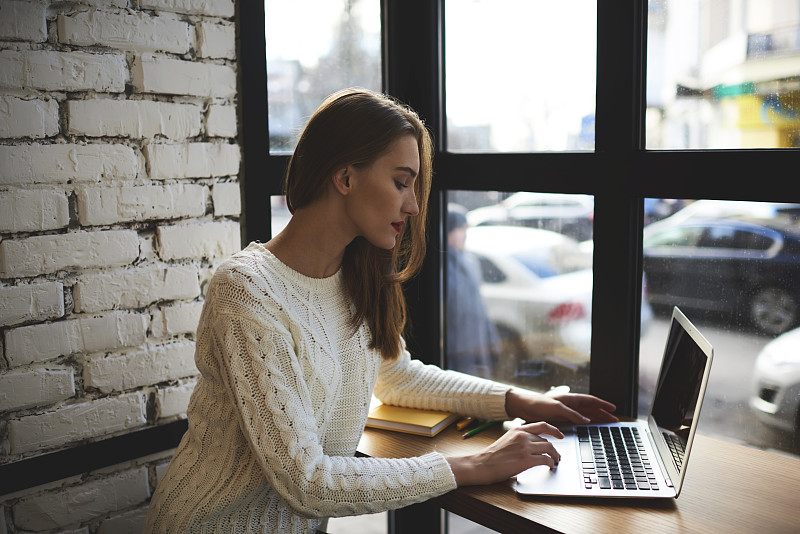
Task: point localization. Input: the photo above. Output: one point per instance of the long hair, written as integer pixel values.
(356, 127)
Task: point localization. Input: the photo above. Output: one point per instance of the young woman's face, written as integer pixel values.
(382, 195)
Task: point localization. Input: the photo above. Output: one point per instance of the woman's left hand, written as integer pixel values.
(574, 408)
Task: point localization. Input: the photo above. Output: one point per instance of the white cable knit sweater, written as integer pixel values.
(278, 412)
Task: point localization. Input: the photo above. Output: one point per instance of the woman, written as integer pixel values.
(296, 335)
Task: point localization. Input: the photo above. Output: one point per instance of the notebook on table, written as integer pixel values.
(643, 458)
(409, 420)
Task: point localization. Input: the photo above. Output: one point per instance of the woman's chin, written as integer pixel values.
(385, 244)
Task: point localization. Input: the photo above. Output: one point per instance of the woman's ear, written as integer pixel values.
(341, 180)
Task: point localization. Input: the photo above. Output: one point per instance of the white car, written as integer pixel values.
(776, 383)
(567, 214)
(537, 288)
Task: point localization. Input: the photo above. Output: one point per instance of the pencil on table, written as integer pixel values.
(464, 423)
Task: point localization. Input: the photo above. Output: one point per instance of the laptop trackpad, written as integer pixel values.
(563, 480)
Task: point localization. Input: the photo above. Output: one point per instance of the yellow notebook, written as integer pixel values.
(409, 420)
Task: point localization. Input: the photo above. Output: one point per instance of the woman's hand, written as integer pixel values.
(571, 408)
(517, 450)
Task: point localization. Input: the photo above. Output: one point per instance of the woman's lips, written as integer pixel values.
(398, 226)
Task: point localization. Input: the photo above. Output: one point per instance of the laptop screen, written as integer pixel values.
(678, 392)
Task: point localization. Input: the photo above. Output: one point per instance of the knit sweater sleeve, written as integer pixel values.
(408, 382)
(263, 374)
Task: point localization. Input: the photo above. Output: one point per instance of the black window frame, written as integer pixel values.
(619, 173)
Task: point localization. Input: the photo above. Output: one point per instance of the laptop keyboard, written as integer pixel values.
(614, 458)
(677, 447)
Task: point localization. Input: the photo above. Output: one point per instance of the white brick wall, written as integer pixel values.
(75, 422)
(71, 505)
(46, 341)
(119, 194)
(211, 8)
(110, 205)
(45, 254)
(175, 320)
(227, 198)
(127, 523)
(192, 160)
(33, 210)
(123, 31)
(23, 20)
(51, 164)
(120, 372)
(216, 40)
(59, 71)
(31, 302)
(173, 401)
(154, 74)
(26, 388)
(135, 288)
(221, 121)
(133, 118)
(203, 240)
(28, 117)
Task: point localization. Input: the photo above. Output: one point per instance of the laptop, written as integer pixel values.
(639, 459)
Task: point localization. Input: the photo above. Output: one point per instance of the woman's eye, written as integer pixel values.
(400, 185)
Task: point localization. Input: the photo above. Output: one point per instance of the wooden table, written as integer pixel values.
(729, 488)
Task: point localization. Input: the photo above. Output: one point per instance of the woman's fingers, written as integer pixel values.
(518, 449)
(539, 446)
(540, 428)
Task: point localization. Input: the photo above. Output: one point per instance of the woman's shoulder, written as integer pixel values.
(247, 262)
(245, 276)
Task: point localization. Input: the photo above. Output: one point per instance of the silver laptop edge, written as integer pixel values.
(671, 470)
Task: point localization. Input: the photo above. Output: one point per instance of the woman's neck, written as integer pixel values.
(311, 244)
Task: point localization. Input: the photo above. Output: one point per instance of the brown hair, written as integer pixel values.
(356, 127)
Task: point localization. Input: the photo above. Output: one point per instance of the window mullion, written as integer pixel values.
(616, 297)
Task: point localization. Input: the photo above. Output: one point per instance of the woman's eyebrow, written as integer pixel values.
(409, 170)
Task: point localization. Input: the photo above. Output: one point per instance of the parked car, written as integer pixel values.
(776, 383)
(744, 267)
(568, 214)
(721, 209)
(537, 287)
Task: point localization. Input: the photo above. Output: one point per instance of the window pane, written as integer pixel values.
(279, 212)
(338, 47)
(519, 287)
(734, 269)
(520, 75)
(723, 74)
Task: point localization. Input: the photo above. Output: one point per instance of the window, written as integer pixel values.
(731, 267)
(723, 74)
(518, 292)
(658, 138)
(338, 47)
(507, 90)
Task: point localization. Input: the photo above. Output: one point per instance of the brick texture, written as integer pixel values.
(28, 117)
(36, 386)
(78, 503)
(47, 254)
(119, 194)
(46, 341)
(29, 302)
(62, 163)
(130, 370)
(75, 422)
(135, 288)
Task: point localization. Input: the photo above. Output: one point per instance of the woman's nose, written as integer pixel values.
(411, 206)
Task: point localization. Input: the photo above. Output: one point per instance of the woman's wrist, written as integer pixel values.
(463, 468)
(516, 402)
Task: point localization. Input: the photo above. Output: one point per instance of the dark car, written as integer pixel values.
(750, 268)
